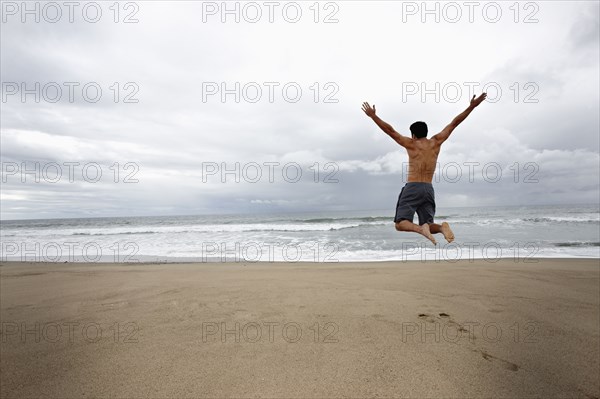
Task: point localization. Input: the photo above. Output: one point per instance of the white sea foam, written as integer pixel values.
(569, 231)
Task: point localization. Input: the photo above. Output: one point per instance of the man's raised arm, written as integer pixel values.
(445, 133)
(386, 127)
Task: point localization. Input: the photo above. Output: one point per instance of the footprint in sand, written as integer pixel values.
(505, 363)
(446, 317)
(427, 317)
(430, 318)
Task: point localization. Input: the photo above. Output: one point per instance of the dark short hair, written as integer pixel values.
(419, 129)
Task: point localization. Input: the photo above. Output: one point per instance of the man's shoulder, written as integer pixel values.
(426, 143)
(433, 142)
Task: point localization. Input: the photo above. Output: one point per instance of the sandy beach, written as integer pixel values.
(390, 329)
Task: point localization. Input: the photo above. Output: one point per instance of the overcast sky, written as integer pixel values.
(288, 133)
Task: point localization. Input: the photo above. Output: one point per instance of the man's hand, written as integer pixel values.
(386, 127)
(370, 111)
(476, 101)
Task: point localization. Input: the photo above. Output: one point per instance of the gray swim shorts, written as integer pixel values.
(416, 197)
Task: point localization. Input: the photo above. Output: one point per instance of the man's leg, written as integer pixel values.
(444, 228)
(407, 225)
(410, 197)
(426, 213)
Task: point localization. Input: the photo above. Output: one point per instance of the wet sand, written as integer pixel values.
(389, 329)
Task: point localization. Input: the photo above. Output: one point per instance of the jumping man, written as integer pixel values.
(417, 195)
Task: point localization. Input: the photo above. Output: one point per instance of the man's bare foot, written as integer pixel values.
(447, 232)
(425, 231)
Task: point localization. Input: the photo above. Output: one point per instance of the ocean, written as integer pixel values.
(522, 233)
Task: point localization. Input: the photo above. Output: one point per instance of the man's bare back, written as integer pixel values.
(417, 195)
(422, 159)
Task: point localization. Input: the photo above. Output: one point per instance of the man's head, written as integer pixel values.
(419, 129)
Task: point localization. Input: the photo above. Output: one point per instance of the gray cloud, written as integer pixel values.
(170, 134)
